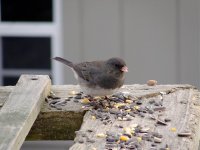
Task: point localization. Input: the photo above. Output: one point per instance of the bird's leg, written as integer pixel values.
(108, 100)
(90, 98)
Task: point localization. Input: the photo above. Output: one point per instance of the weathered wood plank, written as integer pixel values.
(181, 107)
(4, 93)
(21, 109)
(61, 124)
(57, 124)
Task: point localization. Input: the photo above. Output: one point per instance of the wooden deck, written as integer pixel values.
(146, 117)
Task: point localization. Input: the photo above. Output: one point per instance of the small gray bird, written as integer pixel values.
(98, 78)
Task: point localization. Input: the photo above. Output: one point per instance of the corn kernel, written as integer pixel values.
(93, 118)
(128, 101)
(119, 105)
(173, 129)
(85, 101)
(128, 110)
(101, 135)
(136, 107)
(72, 92)
(124, 138)
(139, 139)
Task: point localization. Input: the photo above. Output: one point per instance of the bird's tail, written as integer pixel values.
(64, 61)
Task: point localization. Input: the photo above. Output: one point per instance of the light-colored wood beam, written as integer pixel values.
(21, 109)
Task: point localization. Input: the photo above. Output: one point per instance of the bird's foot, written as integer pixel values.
(91, 98)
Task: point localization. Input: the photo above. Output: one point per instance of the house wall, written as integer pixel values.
(159, 39)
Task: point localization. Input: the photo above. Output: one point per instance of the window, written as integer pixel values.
(33, 52)
(10, 80)
(30, 34)
(26, 10)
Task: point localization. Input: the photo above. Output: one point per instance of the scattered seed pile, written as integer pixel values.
(121, 106)
(132, 137)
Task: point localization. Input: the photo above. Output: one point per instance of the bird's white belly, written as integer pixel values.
(97, 91)
(75, 74)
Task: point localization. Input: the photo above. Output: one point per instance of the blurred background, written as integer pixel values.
(159, 39)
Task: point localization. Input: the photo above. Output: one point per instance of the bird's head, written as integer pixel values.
(117, 65)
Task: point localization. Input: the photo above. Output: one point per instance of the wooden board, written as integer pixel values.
(21, 109)
(60, 123)
(4, 93)
(181, 107)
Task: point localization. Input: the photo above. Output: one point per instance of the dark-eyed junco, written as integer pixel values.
(98, 78)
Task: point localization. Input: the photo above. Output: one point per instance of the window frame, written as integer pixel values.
(53, 30)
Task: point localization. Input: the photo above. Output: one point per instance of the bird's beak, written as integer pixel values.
(124, 69)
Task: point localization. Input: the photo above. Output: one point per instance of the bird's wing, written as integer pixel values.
(87, 71)
(94, 73)
(107, 81)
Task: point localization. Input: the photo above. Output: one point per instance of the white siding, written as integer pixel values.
(150, 40)
(159, 39)
(189, 48)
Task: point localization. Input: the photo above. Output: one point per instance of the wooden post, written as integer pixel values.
(21, 109)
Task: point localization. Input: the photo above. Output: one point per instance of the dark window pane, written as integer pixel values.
(10, 80)
(26, 10)
(26, 52)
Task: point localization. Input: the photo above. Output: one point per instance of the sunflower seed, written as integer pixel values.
(151, 101)
(114, 111)
(151, 111)
(110, 139)
(161, 122)
(122, 145)
(90, 140)
(167, 120)
(139, 102)
(155, 134)
(153, 145)
(184, 134)
(68, 99)
(90, 130)
(159, 108)
(157, 140)
(78, 96)
(76, 100)
(56, 97)
(81, 141)
(156, 104)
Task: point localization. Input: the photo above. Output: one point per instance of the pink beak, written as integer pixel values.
(124, 69)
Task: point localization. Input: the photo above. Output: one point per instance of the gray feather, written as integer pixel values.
(64, 61)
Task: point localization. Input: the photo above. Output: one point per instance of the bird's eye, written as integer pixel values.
(117, 66)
